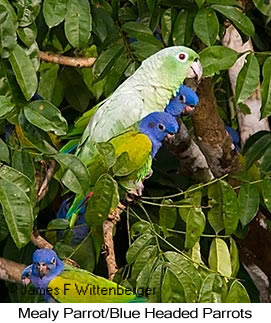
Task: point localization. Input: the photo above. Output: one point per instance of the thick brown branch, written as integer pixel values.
(10, 270)
(68, 61)
(108, 232)
(39, 241)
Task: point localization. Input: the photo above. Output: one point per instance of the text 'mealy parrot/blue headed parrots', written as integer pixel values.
(141, 142)
(149, 89)
(61, 283)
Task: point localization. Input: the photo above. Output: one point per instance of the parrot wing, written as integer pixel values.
(80, 286)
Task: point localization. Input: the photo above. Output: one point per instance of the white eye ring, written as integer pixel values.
(182, 56)
(161, 127)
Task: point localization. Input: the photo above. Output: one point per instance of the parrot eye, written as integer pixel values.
(182, 98)
(53, 261)
(161, 127)
(182, 57)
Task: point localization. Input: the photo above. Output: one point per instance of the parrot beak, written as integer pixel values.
(25, 281)
(188, 110)
(195, 70)
(170, 136)
(43, 269)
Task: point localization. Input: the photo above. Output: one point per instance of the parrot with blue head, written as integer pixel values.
(235, 137)
(61, 283)
(140, 142)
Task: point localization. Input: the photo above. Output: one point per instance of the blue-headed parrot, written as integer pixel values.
(61, 283)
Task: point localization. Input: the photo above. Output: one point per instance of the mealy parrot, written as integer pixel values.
(141, 142)
(61, 283)
(149, 89)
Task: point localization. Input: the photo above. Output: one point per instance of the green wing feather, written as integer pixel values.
(84, 287)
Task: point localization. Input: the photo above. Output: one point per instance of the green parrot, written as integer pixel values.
(149, 89)
(61, 283)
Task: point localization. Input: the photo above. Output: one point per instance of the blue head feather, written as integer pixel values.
(46, 266)
(234, 136)
(157, 125)
(184, 97)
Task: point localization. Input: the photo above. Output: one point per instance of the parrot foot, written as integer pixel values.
(149, 175)
(135, 193)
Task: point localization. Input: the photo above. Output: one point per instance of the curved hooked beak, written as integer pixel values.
(195, 70)
(188, 110)
(43, 269)
(170, 136)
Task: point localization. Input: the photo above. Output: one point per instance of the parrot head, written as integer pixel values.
(46, 264)
(157, 126)
(173, 65)
(183, 103)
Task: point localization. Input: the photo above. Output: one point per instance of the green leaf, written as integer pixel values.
(182, 34)
(123, 165)
(105, 199)
(263, 6)
(166, 25)
(28, 34)
(76, 176)
(4, 152)
(106, 60)
(5, 106)
(139, 31)
(155, 283)
(257, 149)
(8, 39)
(206, 26)
(78, 23)
(211, 289)
(195, 225)
(46, 116)
(248, 202)
(143, 50)
(237, 293)
(266, 88)
(27, 11)
(24, 72)
(244, 108)
(215, 214)
(23, 162)
(3, 226)
(54, 12)
(241, 21)
(167, 215)
(137, 246)
(144, 276)
(17, 210)
(217, 58)
(58, 224)
(6, 4)
(107, 152)
(248, 79)
(147, 253)
(172, 289)
(219, 257)
(234, 257)
(230, 208)
(200, 3)
(267, 193)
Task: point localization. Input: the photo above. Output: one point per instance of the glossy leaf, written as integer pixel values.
(263, 6)
(267, 193)
(54, 12)
(248, 202)
(137, 246)
(183, 28)
(167, 215)
(5, 106)
(230, 208)
(7, 33)
(211, 289)
(248, 79)
(78, 23)
(147, 253)
(142, 280)
(17, 210)
(206, 26)
(215, 214)
(4, 152)
(257, 149)
(166, 25)
(172, 289)
(235, 264)
(3, 226)
(241, 21)
(24, 72)
(155, 284)
(46, 116)
(219, 257)
(105, 200)
(217, 58)
(195, 225)
(28, 34)
(23, 162)
(27, 11)
(266, 88)
(237, 293)
(76, 176)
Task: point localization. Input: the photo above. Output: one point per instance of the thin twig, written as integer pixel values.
(10, 270)
(49, 174)
(66, 60)
(108, 228)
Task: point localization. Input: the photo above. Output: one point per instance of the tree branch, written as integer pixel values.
(108, 232)
(10, 270)
(68, 61)
(44, 186)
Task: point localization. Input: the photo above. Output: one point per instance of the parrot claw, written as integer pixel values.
(134, 194)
